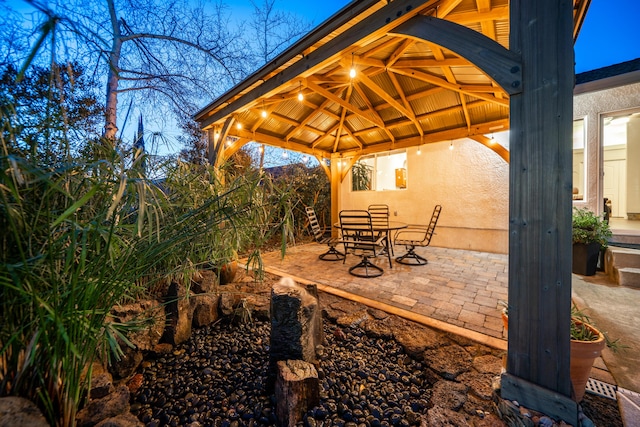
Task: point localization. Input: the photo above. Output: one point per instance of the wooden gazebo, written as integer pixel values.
(382, 75)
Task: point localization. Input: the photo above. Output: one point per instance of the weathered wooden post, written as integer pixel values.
(540, 209)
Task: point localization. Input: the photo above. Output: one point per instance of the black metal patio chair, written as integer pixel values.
(359, 238)
(323, 236)
(416, 235)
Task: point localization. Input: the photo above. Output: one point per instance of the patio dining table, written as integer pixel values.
(388, 228)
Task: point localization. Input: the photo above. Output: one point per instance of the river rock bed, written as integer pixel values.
(218, 378)
(375, 369)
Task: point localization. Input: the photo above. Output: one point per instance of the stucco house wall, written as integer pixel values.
(592, 100)
(471, 182)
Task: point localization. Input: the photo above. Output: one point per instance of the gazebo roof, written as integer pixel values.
(406, 91)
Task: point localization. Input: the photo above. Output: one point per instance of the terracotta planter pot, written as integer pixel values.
(505, 321)
(228, 272)
(583, 354)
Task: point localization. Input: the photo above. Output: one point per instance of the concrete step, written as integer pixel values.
(623, 266)
(624, 257)
(629, 277)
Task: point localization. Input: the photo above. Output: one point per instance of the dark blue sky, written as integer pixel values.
(609, 35)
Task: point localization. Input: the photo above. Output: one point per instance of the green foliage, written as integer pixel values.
(90, 231)
(47, 112)
(588, 227)
(361, 175)
(583, 329)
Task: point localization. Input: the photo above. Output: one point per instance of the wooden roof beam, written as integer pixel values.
(492, 145)
(429, 138)
(502, 65)
(428, 78)
(277, 142)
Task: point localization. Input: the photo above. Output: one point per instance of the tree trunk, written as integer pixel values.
(111, 106)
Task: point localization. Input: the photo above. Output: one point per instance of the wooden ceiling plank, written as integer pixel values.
(439, 55)
(324, 136)
(392, 40)
(277, 142)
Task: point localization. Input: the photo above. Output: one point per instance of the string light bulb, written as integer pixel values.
(305, 159)
(285, 155)
(352, 71)
(451, 145)
(492, 140)
(300, 96)
(419, 150)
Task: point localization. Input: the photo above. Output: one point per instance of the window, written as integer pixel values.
(380, 172)
(579, 160)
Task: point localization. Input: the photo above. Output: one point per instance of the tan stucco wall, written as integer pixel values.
(471, 182)
(590, 106)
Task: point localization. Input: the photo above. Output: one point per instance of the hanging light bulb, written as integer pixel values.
(285, 155)
(492, 140)
(451, 145)
(261, 148)
(352, 71)
(239, 125)
(300, 96)
(419, 150)
(263, 113)
(305, 159)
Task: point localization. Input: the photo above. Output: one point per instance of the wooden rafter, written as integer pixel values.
(341, 123)
(398, 88)
(329, 95)
(388, 98)
(311, 116)
(428, 78)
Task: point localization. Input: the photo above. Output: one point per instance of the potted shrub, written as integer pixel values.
(587, 343)
(590, 234)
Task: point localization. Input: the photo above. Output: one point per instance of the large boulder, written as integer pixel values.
(17, 411)
(179, 312)
(205, 310)
(296, 323)
(110, 406)
(149, 313)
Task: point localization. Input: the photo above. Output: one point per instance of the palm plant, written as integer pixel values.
(87, 233)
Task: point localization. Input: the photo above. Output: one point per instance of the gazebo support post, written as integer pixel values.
(540, 210)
